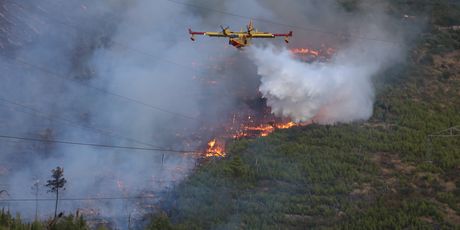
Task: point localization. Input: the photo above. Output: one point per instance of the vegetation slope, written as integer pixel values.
(387, 173)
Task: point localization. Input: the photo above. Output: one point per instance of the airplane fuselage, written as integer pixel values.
(239, 41)
(242, 38)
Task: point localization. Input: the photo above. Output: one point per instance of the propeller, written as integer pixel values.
(224, 29)
(249, 29)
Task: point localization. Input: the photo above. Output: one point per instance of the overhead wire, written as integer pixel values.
(276, 23)
(101, 131)
(98, 89)
(53, 74)
(105, 132)
(36, 112)
(115, 42)
(31, 139)
(133, 100)
(76, 199)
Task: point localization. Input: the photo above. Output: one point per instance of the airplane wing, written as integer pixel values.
(262, 35)
(215, 34)
(211, 34)
(270, 35)
(284, 35)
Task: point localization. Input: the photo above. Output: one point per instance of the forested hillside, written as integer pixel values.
(398, 170)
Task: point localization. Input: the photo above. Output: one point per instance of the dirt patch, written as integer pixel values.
(449, 186)
(365, 189)
(452, 216)
(391, 163)
(449, 63)
(393, 170)
(427, 219)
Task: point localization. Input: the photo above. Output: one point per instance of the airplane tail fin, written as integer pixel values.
(192, 36)
(286, 39)
(193, 33)
(286, 36)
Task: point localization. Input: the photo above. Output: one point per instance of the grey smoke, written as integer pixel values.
(126, 47)
(85, 44)
(84, 49)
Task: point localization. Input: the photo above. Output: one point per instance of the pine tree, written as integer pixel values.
(56, 183)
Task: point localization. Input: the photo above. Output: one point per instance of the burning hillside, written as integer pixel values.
(109, 73)
(246, 123)
(256, 119)
(311, 55)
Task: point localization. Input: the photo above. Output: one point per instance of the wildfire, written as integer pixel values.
(255, 119)
(311, 55)
(259, 130)
(305, 51)
(215, 149)
(286, 125)
(263, 130)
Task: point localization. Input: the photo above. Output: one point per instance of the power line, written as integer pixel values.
(101, 90)
(76, 199)
(51, 73)
(95, 144)
(276, 23)
(92, 128)
(51, 118)
(120, 44)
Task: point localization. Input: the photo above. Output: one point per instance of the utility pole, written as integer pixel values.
(451, 132)
(36, 189)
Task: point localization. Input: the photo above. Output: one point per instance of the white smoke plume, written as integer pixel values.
(336, 91)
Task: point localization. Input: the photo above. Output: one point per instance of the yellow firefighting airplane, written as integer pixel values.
(242, 38)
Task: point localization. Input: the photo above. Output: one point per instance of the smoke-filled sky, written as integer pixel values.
(126, 73)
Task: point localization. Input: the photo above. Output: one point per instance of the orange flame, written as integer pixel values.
(305, 51)
(215, 149)
(324, 52)
(286, 125)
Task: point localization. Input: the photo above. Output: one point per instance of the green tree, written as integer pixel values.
(56, 183)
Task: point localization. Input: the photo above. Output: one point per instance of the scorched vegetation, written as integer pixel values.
(399, 170)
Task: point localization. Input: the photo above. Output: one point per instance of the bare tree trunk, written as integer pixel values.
(36, 207)
(129, 221)
(35, 187)
(55, 207)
